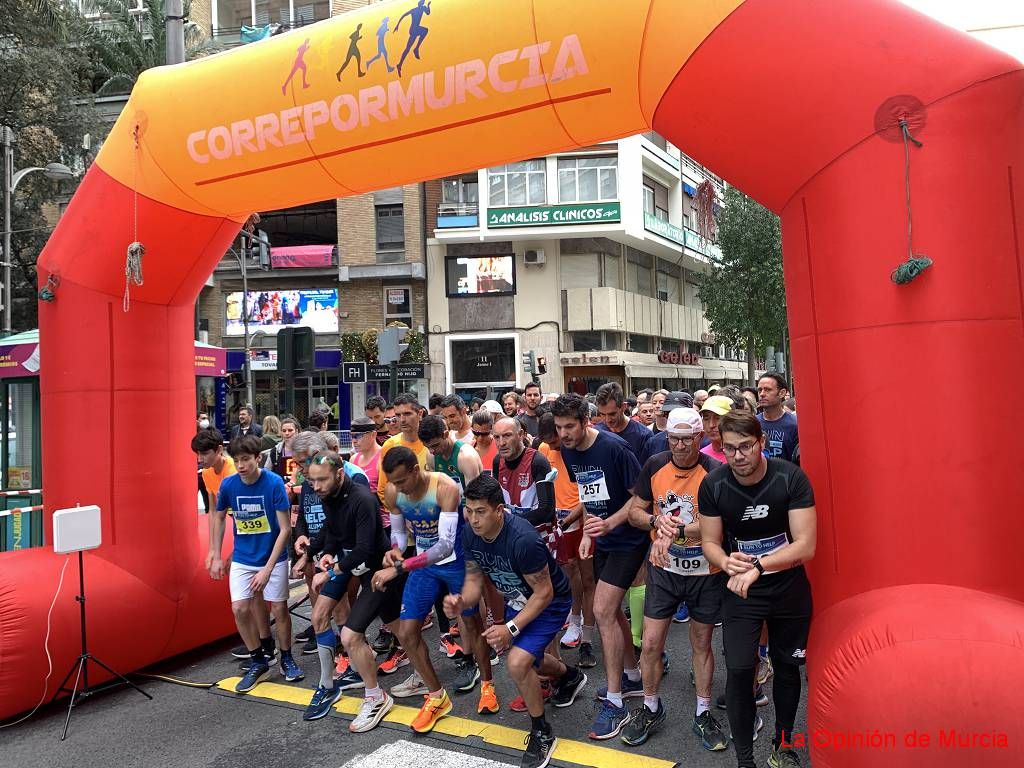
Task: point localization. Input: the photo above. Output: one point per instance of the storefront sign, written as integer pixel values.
(19, 360)
(210, 361)
(664, 229)
(589, 358)
(302, 256)
(678, 358)
(353, 373)
(406, 372)
(262, 359)
(545, 215)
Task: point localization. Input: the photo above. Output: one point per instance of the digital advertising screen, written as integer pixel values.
(270, 311)
(480, 275)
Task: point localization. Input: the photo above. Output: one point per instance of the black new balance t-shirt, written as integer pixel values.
(755, 518)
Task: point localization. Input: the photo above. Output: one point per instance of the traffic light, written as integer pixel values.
(285, 351)
(296, 348)
(542, 365)
(530, 362)
(390, 346)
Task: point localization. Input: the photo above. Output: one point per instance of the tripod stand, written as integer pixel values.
(80, 669)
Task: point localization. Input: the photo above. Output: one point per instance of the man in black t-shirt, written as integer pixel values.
(354, 543)
(537, 602)
(758, 524)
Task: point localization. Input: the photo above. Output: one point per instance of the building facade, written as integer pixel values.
(587, 258)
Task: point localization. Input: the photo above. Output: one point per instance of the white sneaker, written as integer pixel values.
(371, 712)
(571, 638)
(411, 686)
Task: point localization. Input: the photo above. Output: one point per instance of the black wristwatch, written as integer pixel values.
(653, 521)
(756, 562)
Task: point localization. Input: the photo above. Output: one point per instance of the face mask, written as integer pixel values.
(204, 424)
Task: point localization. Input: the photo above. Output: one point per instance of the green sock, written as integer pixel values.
(636, 612)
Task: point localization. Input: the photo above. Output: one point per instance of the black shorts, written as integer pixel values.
(783, 600)
(618, 567)
(369, 605)
(702, 595)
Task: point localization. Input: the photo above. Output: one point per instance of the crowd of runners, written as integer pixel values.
(524, 532)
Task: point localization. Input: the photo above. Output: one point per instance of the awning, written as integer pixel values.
(637, 371)
(690, 191)
(690, 372)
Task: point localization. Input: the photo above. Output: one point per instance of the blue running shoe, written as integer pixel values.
(682, 615)
(256, 674)
(321, 703)
(289, 669)
(350, 679)
(630, 690)
(609, 722)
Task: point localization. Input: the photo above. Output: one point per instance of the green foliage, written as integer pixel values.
(743, 294)
(126, 44)
(45, 99)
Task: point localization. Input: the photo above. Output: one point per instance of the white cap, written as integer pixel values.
(493, 407)
(684, 422)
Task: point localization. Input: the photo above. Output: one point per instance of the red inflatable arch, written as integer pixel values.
(918, 591)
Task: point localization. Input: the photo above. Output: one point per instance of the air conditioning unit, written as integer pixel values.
(662, 295)
(534, 256)
(707, 351)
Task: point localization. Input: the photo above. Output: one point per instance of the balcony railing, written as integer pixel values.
(232, 36)
(452, 215)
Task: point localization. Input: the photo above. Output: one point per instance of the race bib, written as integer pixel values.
(251, 525)
(251, 517)
(423, 544)
(593, 486)
(687, 561)
(763, 547)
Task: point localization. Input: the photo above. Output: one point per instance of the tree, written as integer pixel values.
(742, 294)
(126, 43)
(45, 99)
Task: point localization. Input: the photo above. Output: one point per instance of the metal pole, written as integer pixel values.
(8, 179)
(174, 31)
(250, 397)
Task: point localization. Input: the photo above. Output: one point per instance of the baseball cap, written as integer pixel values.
(684, 422)
(719, 404)
(493, 406)
(677, 400)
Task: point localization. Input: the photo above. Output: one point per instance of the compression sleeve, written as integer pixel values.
(447, 524)
(399, 536)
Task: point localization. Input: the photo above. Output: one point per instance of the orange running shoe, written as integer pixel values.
(341, 665)
(395, 661)
(450, 648)
(431, 711)
(488, 699)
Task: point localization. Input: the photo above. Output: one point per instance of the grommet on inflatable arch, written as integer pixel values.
(797, 102)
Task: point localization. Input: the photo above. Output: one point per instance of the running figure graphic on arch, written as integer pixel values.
(382, 49)
(417, 32)
(299, 64)
(353, 53)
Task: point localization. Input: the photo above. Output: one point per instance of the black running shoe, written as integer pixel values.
(385, 641)
(306, 634)
(539, 748)
(467, 675)
(567, 689)
(712, 737)
(642, 725)
(586, 659)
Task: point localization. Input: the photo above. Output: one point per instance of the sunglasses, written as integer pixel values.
(481, 434)
(391, 420)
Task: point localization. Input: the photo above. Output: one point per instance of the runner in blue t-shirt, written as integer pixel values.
(537, 602)
(611, 407)
(781, 437)
(605, 469)
(259, 562)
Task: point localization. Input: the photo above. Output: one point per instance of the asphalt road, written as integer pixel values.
(207, 728)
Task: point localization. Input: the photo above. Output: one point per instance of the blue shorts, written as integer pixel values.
(538, 634)
(424, 586)
(336, 588)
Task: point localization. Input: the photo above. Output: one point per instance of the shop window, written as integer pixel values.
(21, 463)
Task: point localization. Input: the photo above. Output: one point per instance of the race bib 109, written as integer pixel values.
(687, 561)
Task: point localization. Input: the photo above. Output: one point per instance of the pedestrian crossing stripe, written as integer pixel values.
(567, 751)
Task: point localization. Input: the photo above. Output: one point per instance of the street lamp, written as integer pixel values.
(54, 171)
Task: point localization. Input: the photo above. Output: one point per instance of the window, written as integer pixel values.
(459, 189)
(661, 214)
(398, 304)
(648, 199)
(612, 267)
(21, 463)
(587, 179)
(588, 341)
(581, 270)
(639, 274)
(390, 227)
(643, 344)
(517, 184)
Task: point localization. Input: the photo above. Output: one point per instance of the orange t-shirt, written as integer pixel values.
(487, 457)
(673, 491)
(567, 493)
(212, 480)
